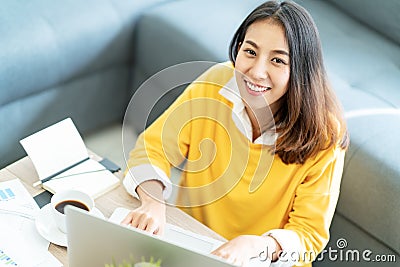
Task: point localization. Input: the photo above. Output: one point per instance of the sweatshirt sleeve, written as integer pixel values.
(307, 231)
(164, 144)
(146, 172)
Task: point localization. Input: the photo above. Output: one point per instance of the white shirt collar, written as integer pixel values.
(239, 115)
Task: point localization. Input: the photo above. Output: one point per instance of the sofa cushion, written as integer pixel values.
(350, 245)
(92, 101)
(360, 56)
(187, 30)
(383, 16)
(45, 43)
(371, 184)
(58, 60)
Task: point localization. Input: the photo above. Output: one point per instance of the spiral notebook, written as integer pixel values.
(62, 161)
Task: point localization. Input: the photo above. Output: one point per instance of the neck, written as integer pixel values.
(262, 119)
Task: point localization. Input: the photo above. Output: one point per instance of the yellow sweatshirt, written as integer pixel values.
(234, 186)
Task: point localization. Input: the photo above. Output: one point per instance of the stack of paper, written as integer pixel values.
(62, 161)
(21, 244)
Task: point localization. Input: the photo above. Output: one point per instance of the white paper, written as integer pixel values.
(89, 176)
(16, 200)
(55, 148)
(20, 243)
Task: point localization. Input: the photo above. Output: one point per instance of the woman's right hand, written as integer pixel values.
(150, 216)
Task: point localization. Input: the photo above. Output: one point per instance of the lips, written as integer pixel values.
(256, 89)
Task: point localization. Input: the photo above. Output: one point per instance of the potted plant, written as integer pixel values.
(131, 263)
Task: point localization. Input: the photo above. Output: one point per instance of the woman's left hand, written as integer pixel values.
(239, 250)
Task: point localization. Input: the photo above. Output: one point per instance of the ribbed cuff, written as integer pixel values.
(146, 172)
(291, 247)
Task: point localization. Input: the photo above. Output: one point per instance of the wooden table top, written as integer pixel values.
(107, 203)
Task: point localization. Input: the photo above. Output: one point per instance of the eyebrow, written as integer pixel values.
(277, 51)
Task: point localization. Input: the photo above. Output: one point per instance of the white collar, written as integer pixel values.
(239, 115)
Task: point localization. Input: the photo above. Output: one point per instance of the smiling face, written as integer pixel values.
(262, 65)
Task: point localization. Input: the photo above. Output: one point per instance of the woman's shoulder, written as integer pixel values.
(212, 80)
(327, 156)
(219, 73)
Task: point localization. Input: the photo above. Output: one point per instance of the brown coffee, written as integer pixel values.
(61, 206)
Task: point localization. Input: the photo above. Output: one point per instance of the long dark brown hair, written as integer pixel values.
(310, 118)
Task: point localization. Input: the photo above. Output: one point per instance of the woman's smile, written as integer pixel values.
(255, 89)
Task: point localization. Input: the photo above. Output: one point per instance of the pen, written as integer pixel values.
(59, 172)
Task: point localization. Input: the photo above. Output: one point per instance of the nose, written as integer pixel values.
(259, 71)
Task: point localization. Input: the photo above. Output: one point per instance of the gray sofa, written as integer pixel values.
(85, 60)
(70, 59)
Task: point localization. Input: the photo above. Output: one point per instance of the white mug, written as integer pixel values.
(63, 198)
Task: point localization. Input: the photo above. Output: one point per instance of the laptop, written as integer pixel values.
(93, 241)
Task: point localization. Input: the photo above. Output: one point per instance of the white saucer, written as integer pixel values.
(48, 229)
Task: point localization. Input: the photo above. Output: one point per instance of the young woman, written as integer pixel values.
(263, 138)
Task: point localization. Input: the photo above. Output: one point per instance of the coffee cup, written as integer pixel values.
(71, 197)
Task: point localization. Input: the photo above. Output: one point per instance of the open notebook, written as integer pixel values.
(62, 161)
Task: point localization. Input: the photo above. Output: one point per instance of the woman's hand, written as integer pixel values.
(241, 249)
(150, 216)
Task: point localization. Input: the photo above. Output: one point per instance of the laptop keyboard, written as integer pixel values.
(186, 239)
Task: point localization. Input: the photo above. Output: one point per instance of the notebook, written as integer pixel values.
(94, 241)
(62, 161)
